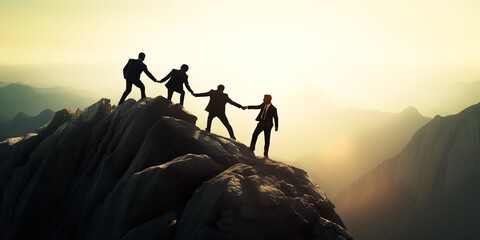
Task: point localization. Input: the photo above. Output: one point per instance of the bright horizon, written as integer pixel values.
(370, 55)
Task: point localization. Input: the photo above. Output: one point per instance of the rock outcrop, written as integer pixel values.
(428, 191)
(143, 170)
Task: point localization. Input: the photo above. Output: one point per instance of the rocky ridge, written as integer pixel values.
(143, 170)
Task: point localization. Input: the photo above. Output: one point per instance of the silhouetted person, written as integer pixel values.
(216, 107)
(131, 73)
(177, 79)
(265, 118)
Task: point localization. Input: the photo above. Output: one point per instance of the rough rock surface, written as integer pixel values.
(143, 170)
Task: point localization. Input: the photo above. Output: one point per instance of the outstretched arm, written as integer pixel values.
(205, 94)
(188, 85)
(149, 74)
(255, 107)
(234, 103)
(166, 77)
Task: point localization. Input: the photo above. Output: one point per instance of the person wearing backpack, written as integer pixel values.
(131, 73)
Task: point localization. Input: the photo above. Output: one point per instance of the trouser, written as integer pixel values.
(170, 94)
(267, 130)
(128, 89)
(224, 120)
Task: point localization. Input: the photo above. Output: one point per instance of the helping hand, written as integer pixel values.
(244, 107)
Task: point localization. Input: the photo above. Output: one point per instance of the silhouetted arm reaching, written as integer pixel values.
(188, 86)
(233, 103)
(149, 74)
(255, 107)
(166, 77)
(205, 94)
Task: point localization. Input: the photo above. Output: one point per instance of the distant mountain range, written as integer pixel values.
(428, 191)
(3, 84)
(16, 98)
(22, 124)
(338, 145)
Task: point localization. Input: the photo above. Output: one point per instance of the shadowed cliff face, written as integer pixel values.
(144, 171)
(428, 191)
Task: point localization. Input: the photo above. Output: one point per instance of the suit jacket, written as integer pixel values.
(270, 116)
(177, 79)
(134, 68)
(217, 102)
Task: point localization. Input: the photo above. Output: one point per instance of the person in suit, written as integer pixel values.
(177, 79)
(131, 73)
(216, 107)
(265, 118)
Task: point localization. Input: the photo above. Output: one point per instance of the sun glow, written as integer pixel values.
(371, 54)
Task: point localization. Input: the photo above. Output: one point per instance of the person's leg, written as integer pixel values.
(267, 132)
(128, 89)
(209, 122)
(140, 85)
(170, 94)
(257, 131)
(225, 122)
(182, 96)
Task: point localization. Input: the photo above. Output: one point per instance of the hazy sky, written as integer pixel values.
(368, 54)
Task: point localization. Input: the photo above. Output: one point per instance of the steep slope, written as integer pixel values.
(339, 144)
(144, 171)
(22, 124)
(429, 191)
(15, 98)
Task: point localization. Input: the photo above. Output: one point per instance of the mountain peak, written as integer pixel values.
(46, 112)
(20, 116)
(437, 172)
(411, 111)
(144, 169)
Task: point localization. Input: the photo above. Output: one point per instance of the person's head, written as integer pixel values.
(220, 88)
(141, 56)
(267, 99)
(184, 67)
